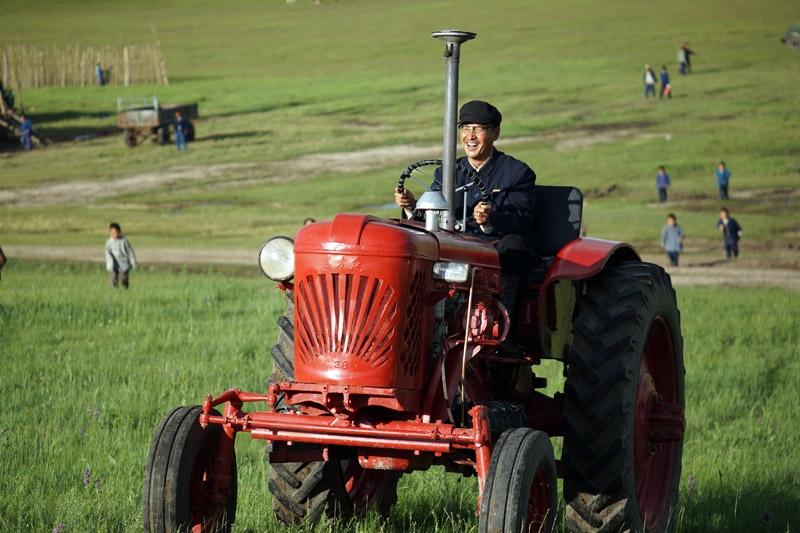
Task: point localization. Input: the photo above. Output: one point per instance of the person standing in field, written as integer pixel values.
(98, 72)
(181, 125)
(672, 239)
(649, 81)
(120, 259)
(25, 132)
(723, 179)
(731, 231)
(666, 88)
(684, 59)
(662, 183)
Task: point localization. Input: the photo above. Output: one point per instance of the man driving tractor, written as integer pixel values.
(507, 220)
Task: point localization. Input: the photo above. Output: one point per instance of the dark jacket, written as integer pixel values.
(730, 231)
(511, 185)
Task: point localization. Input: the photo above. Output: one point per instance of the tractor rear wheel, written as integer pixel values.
(624, 413)
(178, 492)
(521, 491)
(338, 487)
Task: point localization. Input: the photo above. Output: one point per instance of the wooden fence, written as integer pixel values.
(28, 66)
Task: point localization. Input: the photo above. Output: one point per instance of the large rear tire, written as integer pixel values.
(178, 491)
(303, 491)
(624, 417)
(521, 491)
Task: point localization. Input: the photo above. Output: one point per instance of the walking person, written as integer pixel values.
(731, 231)
(98, 72)
(666, 88)
(723, 179)
(672, 239)
(25, 132)
(649, 81)
(181, 126)
(662, 183)
(120, 259)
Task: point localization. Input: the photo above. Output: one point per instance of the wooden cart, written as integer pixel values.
(144, 118)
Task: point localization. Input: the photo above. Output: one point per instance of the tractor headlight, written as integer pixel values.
(276, 258)
(451, 272)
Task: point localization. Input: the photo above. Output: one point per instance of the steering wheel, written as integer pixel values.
(471, 174)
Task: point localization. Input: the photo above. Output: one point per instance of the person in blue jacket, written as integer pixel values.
(25, 132)
(181, 126)
(98, 72)
(666, 88)
(723, 179)
(662, 183)
(507, 219)
(731, 231)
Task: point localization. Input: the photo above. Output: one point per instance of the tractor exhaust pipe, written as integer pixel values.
(452, 54)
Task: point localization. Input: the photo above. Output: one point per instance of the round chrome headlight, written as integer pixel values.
(276, 258)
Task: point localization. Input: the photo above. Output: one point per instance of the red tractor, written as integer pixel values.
(387, 362)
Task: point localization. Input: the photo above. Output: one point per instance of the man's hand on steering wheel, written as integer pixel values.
(481, 213)
(405, 199)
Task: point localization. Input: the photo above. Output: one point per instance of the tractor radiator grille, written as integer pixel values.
(409, 359)
(347, 314)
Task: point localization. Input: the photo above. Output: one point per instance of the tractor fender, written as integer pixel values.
(577, 261)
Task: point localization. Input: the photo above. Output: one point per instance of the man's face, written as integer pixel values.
(114, 233)
(723, 214)
(478, 146)
(671, 221)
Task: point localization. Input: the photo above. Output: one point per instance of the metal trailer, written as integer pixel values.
(143, 118)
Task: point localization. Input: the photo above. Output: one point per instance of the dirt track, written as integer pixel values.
(741, 272)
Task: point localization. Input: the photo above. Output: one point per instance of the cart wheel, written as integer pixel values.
(162, 135)
(179, 483)
(130, 138)
(521, 491)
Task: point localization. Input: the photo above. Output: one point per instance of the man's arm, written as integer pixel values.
(515, 215)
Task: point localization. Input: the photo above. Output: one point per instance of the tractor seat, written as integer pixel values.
(556, 222)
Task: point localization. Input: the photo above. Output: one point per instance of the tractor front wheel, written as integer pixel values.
(181, 491)
(624, 413)
(521, 491)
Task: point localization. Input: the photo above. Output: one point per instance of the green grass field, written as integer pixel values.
(86, 373)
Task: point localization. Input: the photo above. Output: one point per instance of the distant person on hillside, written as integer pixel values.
(308, 221)
(662, 183)
(666, 88)
(731, 231)
(684, 59)
(120, 258)
(181, 126)
(672, 239)
(98, 72)
(25, 132)
(723, 179)
(649, 79)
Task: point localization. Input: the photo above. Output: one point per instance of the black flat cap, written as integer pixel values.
(480, 112)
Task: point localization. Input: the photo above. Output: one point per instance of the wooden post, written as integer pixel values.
(161, 63)
(127, 67)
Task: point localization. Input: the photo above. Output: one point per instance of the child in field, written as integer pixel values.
(672, 239)
(120, 258)
(731, 231)
(662, 183)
